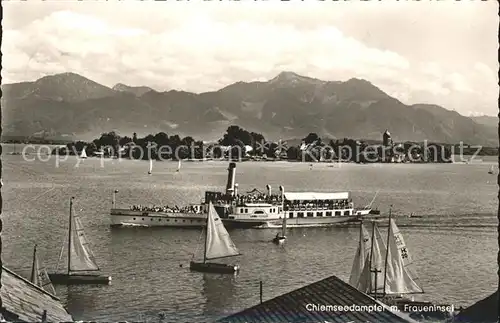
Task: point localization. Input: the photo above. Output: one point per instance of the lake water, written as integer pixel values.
(454, 247)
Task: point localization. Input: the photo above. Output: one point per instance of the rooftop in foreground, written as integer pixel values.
(297, 306)
(484, 311)
(25, 302)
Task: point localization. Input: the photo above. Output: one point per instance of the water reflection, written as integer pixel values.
(219, 291)
(82, 300)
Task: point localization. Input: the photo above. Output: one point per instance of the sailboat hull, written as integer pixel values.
(79, 279)
(363, 211)
(279, 240)
(209, 267)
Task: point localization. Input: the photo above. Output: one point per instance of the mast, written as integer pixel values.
(387, 249)
(373, 200)
(371, 254)
(33, 269)
(69, 232)
(282, 196)
(113, 203)
(206, 237)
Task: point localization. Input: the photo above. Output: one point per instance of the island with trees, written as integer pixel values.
(240, 144)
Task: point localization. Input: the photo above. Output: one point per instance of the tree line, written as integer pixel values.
(242, 144)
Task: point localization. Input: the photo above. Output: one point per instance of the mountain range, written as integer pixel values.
(287, 106)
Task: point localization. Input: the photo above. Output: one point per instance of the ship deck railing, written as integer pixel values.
(326, 206)
(257, 204)
(185, 211)
(258, 201)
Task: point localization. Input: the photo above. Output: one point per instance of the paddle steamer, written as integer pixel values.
(255, 209)
(266, 210)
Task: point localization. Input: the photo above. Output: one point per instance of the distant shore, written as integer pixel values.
(329, 163)
(466, 157)
(485, 151)
(238, 144)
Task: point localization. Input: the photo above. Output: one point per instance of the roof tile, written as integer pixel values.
(291, 307)
(27, 301)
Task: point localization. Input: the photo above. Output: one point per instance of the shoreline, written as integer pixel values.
(333, 163)
(247, 160)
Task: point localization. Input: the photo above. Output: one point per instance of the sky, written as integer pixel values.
(438, 52)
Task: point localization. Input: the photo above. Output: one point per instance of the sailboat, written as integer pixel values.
(179, 166)
(82, 267)
(367, 211)
(280, 239)
(400, 279)
(39, 276)
(150, 167)
(218, 245)
(83, 155)
(371, 280)
(492, 170)
(386, 271)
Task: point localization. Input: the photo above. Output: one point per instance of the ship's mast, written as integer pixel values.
(282, 191)
(206, 233)
(69, 233)
(371, 254)
(387, 251)
(33, 267)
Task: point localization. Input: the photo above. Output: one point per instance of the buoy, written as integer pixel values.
(180, 265)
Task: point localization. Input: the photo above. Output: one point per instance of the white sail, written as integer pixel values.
(401, 277)
(81, 257)
(360, 257)
(402, 249)
(45, 282)
(83, 154)
(179, 166)
(365, 281)
(40, 277)
(378, 261)
(150, 166)
(35, 278)
(218, 243)
(375, 261)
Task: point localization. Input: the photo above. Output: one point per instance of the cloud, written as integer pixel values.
(204, 48)
(195, 54)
